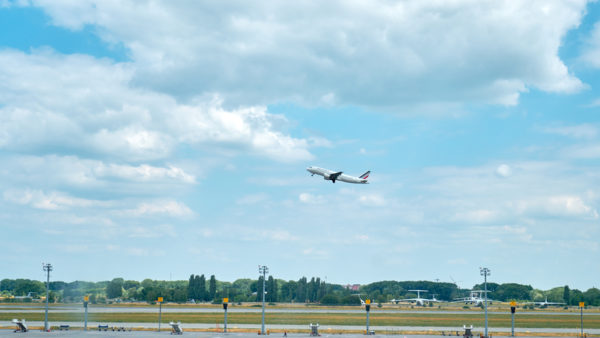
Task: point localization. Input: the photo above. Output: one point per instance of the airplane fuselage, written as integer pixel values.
(333, 176)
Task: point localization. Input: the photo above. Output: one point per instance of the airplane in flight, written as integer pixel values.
(545, 303)
(333, 176)
(418, 301)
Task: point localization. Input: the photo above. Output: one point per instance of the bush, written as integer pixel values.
(330, 299)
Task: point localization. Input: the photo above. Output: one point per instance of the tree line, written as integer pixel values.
(303, 290)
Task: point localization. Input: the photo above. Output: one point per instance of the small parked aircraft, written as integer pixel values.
(545, 303)
(474, 298)
(418, 301)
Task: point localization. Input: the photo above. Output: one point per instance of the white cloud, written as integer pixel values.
(167, 207)
(504, 170)
(54, 200)
(315, 253)
(584, 151)
(348, 53)
(278, 235)
(78, 104)
(156, 231)
(144, 172)
(372, 200)
(591, 53)
(582, 131)
(311, 198)
(475, 216)
(253, 199)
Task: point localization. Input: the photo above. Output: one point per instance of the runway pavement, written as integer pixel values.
(323, 329)
(154, 334)
(233, 309)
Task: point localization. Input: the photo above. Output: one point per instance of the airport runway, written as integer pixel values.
(231, 309)
(154, 334)
(322, 329)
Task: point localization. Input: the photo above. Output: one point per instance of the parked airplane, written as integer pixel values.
(545, 303)
(474, 298)
(362, 302)
(418, 301)
(338, 176)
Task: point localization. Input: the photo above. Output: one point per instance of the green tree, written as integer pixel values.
(592, 297)
(7, 285)
(271, 289)
(330, 299)
(512, 291)
(128, 284)
(301, 290)
(114, 289)
(288, 291)
(212, 288)
(26, 286)
(575, 296)
(259, 289)
(566, 294)
(202, 294)
(192, 287)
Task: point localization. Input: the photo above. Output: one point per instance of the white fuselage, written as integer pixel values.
(336, 176)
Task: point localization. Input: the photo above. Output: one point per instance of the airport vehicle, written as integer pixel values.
(545, 303)
(474, 298)
(418, 301)
(333, 176)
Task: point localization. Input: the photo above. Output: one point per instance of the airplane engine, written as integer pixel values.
(326, 177)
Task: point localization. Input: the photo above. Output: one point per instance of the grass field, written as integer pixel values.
(377, 319)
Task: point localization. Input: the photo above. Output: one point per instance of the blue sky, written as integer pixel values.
(160, 139)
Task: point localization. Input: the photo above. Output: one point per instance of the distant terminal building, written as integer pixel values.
(352, 287)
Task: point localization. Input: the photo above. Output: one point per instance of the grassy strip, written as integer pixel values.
(377, 319)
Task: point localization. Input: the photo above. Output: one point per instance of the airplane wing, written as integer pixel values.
(333, 177)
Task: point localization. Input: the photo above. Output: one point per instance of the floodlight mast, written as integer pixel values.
(263, 270)
(485, 272)
(47, 268)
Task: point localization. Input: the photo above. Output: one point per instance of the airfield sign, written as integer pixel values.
(160, 299)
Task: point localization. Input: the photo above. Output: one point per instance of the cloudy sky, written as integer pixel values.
(156, 139)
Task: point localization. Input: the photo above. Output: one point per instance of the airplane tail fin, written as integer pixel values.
(365, 175)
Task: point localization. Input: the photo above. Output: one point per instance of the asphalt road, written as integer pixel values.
(168, 309)
(323, 329)
(154, 334)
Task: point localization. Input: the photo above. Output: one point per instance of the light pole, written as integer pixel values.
(263, 270)
(485, 272)
(85, 306)
(368, 309)
(160, 301)
(225, 302)
(581, 306)
(513, 306)
(47, 267)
